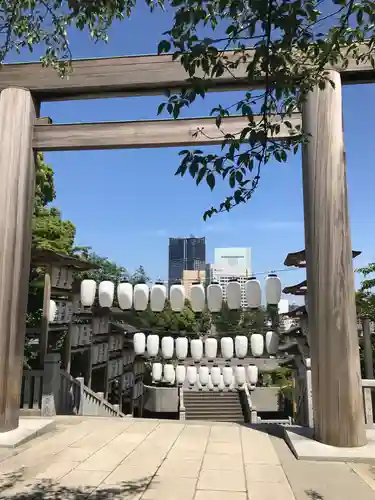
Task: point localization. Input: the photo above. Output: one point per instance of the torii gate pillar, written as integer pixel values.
(17, 186)
(336, 377)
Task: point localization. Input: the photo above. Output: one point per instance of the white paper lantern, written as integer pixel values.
(139, 342)
(210, 347)
(152, 345)
(215, 375)
(167, 347)
(180, 374)
(191, 374)
(210, 385)
(177, 297)
(197, 297)
(226, 344)
(88, 292)
(125, 295)
(241, 345)
(240, 374)
(158, 297)
(141, 295)
(272, 342)
(252, 374)
(169, 374)
(106, 293)
(214, 297)
(204, 375)
(257, 344)
(273, 289)
(234, 295)
(157, 370)
(52, 311)
(196, 349)
(227, 375)
(181, 347)
(221, 385)
(253, 293)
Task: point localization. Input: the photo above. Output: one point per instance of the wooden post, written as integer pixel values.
(336, 377)
(367, 349)
(43, 343)
(17, 187)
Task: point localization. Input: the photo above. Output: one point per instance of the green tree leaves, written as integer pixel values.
(290, 45)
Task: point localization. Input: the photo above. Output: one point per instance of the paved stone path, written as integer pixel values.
(118, 459)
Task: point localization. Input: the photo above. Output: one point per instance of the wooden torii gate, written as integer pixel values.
(339, 417)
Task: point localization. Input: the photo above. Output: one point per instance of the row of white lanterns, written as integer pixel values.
(229, 348)
(214, 376)
(140, 295)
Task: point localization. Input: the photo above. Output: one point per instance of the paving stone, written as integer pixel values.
(74, 454)
(106, 458)
(219, 495)
(183, 454)
(126, 491)
(133, 473)
(365, 472)
(265, 473)
(270, 491)
(180, 468)
(57, 470)
(83, 479)
(214, 448)
(321, 480)
(179, 488)
(222, 462)
(222, 480)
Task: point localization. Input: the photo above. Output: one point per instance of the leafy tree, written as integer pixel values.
(292, 43)
(49, 231)
(169, 322)
(108, 270)
(27, 23)
(365, 298)
(231, 322)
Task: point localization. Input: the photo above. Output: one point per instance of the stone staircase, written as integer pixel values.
(213, 406)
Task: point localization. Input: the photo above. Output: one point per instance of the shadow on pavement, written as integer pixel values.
(14, 487)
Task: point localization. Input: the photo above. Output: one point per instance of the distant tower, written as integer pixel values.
(185, 254)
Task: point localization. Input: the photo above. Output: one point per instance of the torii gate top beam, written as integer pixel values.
(137, 75)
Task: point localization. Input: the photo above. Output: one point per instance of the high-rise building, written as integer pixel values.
(185, 254)
(230, 263)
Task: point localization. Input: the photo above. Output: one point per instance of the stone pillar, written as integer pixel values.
(51, 385)
(17, 189)
(309, 394)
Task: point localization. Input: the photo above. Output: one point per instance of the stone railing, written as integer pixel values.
(53, 391)
(368, 385)
(181, 406)
(31, 390)
(93, 404)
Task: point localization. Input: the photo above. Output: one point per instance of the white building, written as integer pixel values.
(231, 263)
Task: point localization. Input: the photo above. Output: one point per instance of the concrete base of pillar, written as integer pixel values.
(301, 442)
(29, 428)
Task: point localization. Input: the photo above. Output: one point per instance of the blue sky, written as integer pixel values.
(125, 204)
